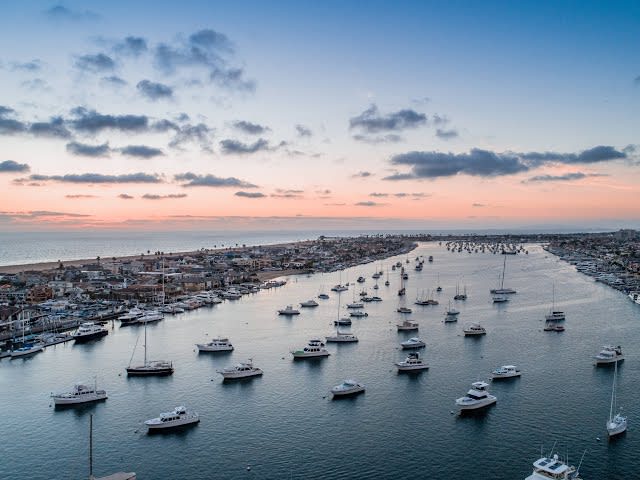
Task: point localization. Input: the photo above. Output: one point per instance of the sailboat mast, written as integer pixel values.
(145, 344)
(613, 392)
(504, 267)
(91, 446)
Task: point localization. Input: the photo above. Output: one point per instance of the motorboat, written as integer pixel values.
(608, 355)
(404, 310)
(346, 321)
(452, 311)
(323, 296)
(339, 288)
(477, 397)
(474, 329)
(80, 393)
(360, 279)
(150, 316)
(241, 370)
(413, 363)
(88, 331)
(309, 304)
(553, 327)
(616, 423)
(375, 298)
(407, 326)
(346, 388)
(172, 309)
(218, 344)
(505, 371)
(413, 342)
(430, 258)
(288, 311)
(314, 349)
(358, 314)
(355, 305)
(553, 469)
(26, 350)
(131, 316)
(231, 295)
(341, 337)
(179, 417)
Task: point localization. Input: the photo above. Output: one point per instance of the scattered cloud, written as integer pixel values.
(369, 203)
(141, 151)
(287, 193)
(371, 121)
(9, 166)
(237, 147)
(478, 205)
(10, 126)
(250, 194)
(154, 91)
(250, 128)
(83, 149)
(378, 195)
(92, 122)
(362, 174)
(99, 62)
(187, 134)
(303, 131)
(374, 140)
(151, 196)
(41, 214)
(124, 196)
(54, 128)
(565, 177)
(131, 46)
(98, 178)
(446, 134)
(79, 196)
(113, 81)
(485, 163)
(636, 81)
(195, 180)
(207, 50)
(32, 66)
(59, 12)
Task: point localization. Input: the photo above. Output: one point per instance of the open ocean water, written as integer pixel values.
(284, 424)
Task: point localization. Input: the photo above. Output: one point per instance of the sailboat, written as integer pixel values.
(460, 295)
(616, 424)
(402, 290)
(386, 282)
(502, 290)
(115, 476)
(439, 288)
(27, 349)
(149, 367)
(554, 315)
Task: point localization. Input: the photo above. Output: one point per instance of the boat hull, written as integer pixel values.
(411, 368)
(239, 376)
(308, 355)
(91, 336)
(26, 353)
(465, 407)
(149, 372)
(208, 349)
(165, 426)
(63, 401)
(347, 393)
(608, 361)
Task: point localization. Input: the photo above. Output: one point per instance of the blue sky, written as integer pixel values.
(560, 77)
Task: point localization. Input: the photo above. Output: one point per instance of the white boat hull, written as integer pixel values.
(614, 428)
(499, 376)
(341, 339)
(208, 348)
(77, 400)
(466, 406)
(172, 424)
(403, 367)
(608, 361)
(301, 355)
(26, 353)
(346, 393)
(237, 375)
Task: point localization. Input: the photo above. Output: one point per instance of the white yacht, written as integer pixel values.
(178, 418)
(150, 316)
(474, 329)
(309, 304)
(412, 363)
(375, 298)
(231, 295)
(358, 314)
(288, 311)
(407, 326)
(477, 397)
(355, 305)
(80, 394)
(413, 342)
(323, 296)
(218, 344)
(505, 371)
(339, 288)
(314, 349)
(346, 321)
(27, 349)
(608, 355)
(499, 298)
(172, 309)
(553, 469)
(89, 331)
(342, 337)
(131, 316)
(241, 370)
(404, 310)
(348, 387)
(616, 424)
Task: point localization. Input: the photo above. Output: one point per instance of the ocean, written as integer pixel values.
(284, 425)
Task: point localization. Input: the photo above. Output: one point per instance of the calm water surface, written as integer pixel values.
(284, 424)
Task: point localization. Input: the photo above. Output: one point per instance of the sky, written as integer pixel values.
(336, 114)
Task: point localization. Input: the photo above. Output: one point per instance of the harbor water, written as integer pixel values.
(285, 424)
